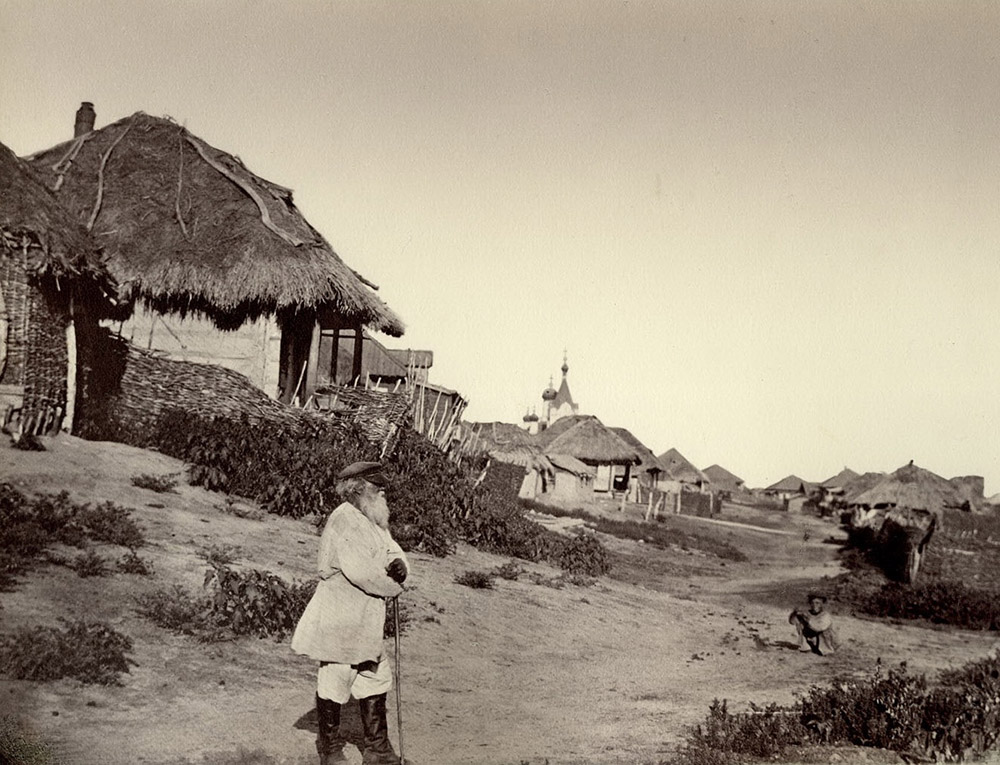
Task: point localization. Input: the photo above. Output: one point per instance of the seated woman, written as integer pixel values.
(814, 626)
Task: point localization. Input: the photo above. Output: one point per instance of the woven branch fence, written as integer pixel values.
(132, 387)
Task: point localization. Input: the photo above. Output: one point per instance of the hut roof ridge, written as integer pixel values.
(188, 227)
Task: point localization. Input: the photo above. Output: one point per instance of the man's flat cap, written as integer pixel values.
(370, 471)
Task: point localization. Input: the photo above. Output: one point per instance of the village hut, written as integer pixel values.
(599, 447)
(680, 474)
(649, 469)
(915, 488)
(788, 487)
(216, 263)
(721, 479)
(54, 288)
(560, 477)
(839, 481)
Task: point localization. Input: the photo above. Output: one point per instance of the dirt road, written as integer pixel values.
(523, 673)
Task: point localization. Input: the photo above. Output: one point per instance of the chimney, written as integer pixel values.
(84, 119)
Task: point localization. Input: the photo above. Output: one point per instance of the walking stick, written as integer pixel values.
(399, 705)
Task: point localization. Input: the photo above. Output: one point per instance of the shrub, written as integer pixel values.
(107, 522)
(131, 563)
(584, 554)
(161, 484)
(90, 563)
(509, 571)
(19, 745)
(256, 602)
(91, 652)
(176, 610)
(221, 555)
(477, 580)
(726, 737)
(941, 602)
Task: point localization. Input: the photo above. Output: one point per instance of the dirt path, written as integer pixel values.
(523, 673)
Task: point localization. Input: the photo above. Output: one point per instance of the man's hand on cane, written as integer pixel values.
(396, 570)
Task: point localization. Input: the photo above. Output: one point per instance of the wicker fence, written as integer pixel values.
(131, 387)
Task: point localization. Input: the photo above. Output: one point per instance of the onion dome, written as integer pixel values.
(530, 417)
(549, 393)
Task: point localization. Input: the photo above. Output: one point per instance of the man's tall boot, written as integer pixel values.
(378, 749)
(329, 741)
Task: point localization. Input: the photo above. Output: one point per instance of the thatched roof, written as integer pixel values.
(570, 464)
(187, 227)
(648, 462)
(33, 222)
(677, 467)
(789, 483)
(590, 442)
(840, 480)
(859, 485)
(913, 487)
(560, 426)
(723, 479)
(503, 442)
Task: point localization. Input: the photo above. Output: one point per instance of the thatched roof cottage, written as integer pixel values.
(217, 262)
(678, 469)
(915, 488)
(54, 288)
(589, 441)
(721, 479)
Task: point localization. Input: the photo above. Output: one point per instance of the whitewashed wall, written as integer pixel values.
(252, 350)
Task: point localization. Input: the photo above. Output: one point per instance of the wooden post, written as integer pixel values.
(335, 355)
(71, 360)
(359, 342)
(312, 369)
(677, 509)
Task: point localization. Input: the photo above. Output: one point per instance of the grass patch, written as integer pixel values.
(20, 745)
(657, 533)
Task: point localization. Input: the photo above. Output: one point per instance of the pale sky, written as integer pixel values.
(766, 234)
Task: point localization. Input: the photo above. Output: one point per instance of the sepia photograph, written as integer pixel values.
(499, 382)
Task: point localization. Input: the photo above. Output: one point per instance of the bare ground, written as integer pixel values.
(523, 673)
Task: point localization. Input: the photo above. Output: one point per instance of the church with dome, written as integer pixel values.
(555, 404)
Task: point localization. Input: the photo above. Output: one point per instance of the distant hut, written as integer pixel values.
(914, 488)
(593, 444)
(54, 288)
(721, 479)
(839, 481)
(788, 487)
(649, 470)
(681, 472)
(568, 478)
(217, 262)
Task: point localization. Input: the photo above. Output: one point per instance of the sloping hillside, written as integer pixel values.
(522, 673)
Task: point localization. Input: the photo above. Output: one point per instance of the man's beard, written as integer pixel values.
(375, 509)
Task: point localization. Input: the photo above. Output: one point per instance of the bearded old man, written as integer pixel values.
(360, 565)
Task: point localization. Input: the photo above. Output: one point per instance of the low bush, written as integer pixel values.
(941, 602)
(509, 571)
(256, 602)
(176, 610)
(91, 652)
(477, 580)
(162, 484)
(727, 737)
(110, 523)
(221, 555)
(131, 563)
(89, 564)
(957, 719)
